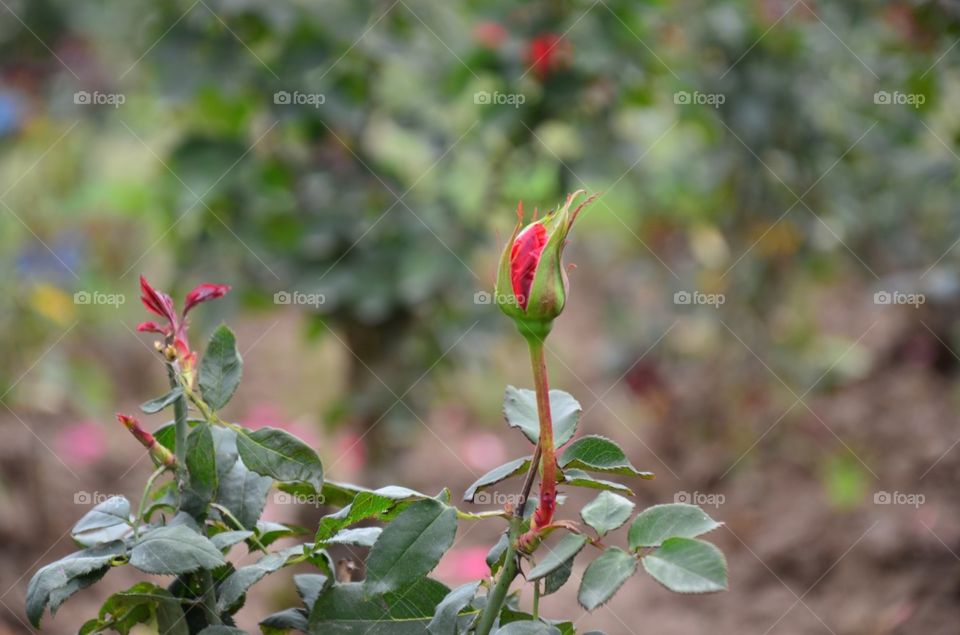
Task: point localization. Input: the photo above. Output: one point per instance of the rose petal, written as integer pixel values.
(524, 258)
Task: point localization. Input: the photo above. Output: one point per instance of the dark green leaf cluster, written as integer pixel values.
(186, 527)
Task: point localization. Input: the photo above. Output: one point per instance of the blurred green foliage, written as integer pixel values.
(386, 197)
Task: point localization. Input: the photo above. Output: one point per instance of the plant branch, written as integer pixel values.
(180, 425)
(143, 499)
(543, 515)
(209, 597)
(204, 577)
(536, 600)
(226, 513)
(498, 595)
(528, 483)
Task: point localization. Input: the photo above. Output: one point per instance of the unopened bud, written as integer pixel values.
(531, 282)
(160, 454)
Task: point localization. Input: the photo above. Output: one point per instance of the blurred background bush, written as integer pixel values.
(348, 166)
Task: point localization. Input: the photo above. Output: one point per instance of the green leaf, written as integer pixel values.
(686, 565)
(140, 604)
(340, 494)
(310, 586)
(381, 504)
(220, 629)
(202, 471)
(604, 576)
(173, 550)
(410, 546)
(655, 524)
(241, 491)
(606, 512)
(225, 449)
(599, 454)
(229, 538)
(166, 435)
(494, 557)
(445, 621)
(568, 547)
(106, 522)
(284, 622)
(244, 493)
(58, 580)
(358, 537)
(269, 532)
(280, 455)
(156, 405)
(558, 577)
(520, 410)
(235, 586)
(579, 478)
(163, 498)
(497, 474)
(220, 368)
(348, 609)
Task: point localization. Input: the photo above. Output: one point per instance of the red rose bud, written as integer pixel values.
(159, 454)
(204, 292)
(531, 281)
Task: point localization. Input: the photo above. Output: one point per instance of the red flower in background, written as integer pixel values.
(175, 330)
(547, 53)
